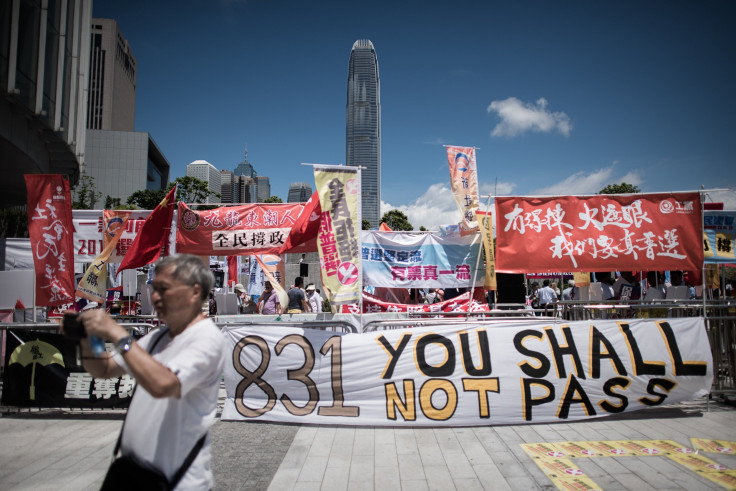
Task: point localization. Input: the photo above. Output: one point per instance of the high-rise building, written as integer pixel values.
(112, 79)
(227, 187)
(204, 171)
(264, 188)
(299, 192)
(44, 59)
(363, 125)
(245, 168)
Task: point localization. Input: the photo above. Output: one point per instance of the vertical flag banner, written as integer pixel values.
(338, 239)
(93, 284)
(277, 287)
(486, 221)
(146, 247)
(51, 232)
(232, 270)
(719, 236)
(464, 182)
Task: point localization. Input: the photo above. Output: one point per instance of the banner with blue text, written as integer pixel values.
(474, 374)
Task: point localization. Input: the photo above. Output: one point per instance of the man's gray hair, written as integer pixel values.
(190, 270)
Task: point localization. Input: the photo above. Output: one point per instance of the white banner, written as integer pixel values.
(408, 260)
(470, 374)
(88, 243)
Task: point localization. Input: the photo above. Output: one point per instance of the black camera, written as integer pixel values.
(73, 328)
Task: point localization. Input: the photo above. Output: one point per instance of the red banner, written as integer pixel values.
(51, 230)
(234, 230)
(375, 304)
(599, 233)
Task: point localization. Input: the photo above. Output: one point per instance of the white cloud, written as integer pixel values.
(437, 205)
(591, 183)
(518, 117)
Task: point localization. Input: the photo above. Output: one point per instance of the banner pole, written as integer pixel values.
(477, 259)
(702, 230)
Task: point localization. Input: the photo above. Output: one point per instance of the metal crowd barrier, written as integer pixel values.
(328, 325)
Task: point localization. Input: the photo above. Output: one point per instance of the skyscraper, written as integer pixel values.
(363, 125)
(204, 171)
(299, 192)
(112, 79)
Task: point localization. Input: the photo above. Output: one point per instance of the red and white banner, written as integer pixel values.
(50, 230)
(228, 231)
(374, 304)
(599, 233)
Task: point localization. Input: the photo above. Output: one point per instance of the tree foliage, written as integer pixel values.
(273, 199)
(397, 220)
(365, 224)
(14, 222)
(87, 194)
(192, 190)
(146, 199)
(623, 188)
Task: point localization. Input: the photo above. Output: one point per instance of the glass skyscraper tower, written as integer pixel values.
(363, 125)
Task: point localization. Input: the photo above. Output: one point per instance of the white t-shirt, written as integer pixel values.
(163, 431)
(316, 302)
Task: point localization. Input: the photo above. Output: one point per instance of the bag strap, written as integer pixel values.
(162, 333)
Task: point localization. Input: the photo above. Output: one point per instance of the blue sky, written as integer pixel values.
(559, 97)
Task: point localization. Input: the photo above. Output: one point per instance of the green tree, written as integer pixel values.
(273, 199)
(192, 190)
(87, 194)
(623, 188)
(14, 222)
(397, 220)
(111, 203)
(422, 228)
(146, 199)
(365, 224)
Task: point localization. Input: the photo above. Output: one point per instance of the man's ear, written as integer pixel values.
(197, 290)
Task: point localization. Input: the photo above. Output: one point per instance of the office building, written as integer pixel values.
(44, 58)
(227, 187)
(263, 185)
(363, 125)
(299, 192)
(112, 79)
(123, 162)
(245, 168)
(204, 171)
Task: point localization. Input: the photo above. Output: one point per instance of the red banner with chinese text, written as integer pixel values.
(599, 233)
(50, 229)
(235, 230)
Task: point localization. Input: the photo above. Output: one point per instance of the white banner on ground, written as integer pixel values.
(464, 375)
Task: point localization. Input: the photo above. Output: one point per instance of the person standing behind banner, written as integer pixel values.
(269, 304)
(177, 370)
(297, 299)
(315, 300)
(546, 295)
(567, 293)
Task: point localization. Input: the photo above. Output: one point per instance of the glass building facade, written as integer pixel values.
(363, 125)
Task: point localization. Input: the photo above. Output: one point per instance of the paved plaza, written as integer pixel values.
(70, 450)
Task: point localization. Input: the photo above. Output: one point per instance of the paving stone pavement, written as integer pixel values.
(70, 450)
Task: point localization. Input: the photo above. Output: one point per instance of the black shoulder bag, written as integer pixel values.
(127, 472)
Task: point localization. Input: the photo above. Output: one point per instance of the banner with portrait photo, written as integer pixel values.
(464, 182)
(474, 374)
(599, 233)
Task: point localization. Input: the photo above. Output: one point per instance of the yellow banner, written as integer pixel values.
(93, 284)
(486, 222)
(338, 239)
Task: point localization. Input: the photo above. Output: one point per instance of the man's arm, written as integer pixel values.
(156, 378)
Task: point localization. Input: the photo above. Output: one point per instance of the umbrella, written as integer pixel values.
(35, 352)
